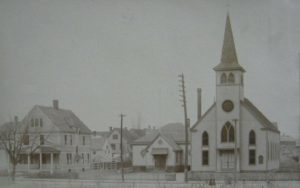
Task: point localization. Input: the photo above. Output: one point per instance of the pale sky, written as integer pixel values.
(104, 57)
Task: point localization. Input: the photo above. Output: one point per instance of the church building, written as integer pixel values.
(233, 134)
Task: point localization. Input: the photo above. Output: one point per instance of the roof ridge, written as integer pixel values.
(50, 107)
(63, 119)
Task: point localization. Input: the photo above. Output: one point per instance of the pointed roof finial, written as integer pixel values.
(229, 59)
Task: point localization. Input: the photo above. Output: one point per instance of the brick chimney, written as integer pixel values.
(55, 104)
(110, 129)
(198, 103)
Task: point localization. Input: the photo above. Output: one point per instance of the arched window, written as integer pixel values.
(227, 133)
(205, 139)
(252, 139)
(223, 78)
(231, 78)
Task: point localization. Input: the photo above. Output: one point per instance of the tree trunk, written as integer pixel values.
(13, 172)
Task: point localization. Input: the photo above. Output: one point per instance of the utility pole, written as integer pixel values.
(235, 151)
(186, 122)
(121, 146)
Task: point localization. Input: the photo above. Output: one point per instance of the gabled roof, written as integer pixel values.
(138, 132)
(171, 141)
(127, 135)
(203, 116)
(259, 115)
(172, 133)
(104, 134)
(255, 111)
(64, 119)
(168, 138)
(147, 138)
(229, 59)
(97, 143)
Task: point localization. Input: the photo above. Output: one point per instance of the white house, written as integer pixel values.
(162, 149)
(114, 138)
(101, 152)
(233, 134)
(61, 141)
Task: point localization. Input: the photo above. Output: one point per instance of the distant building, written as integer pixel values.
(114, 138)
(162, 149)
(101, 152)
(289, 152)
(110, 141)
(63, 141)
(232, 122)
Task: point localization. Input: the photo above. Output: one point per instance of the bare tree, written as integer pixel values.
(16, 139)
(12, 138)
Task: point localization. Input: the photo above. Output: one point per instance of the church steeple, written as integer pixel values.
(229, 59)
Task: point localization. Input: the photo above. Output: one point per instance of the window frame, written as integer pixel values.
(66, 139)
(231, 78)
(223, 78)
(42, 140)
(41, 122)
(113, 146)
(252, 138)
(205, 157)
(252, 157)
(205, 139)
(227, 133)
(83, 140)
(36, 122)
(115, 137)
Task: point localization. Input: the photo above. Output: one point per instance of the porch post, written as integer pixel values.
(28, 162)
(51, 166)
(40, 160)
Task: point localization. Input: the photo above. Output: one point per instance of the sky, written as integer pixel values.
(101, 58)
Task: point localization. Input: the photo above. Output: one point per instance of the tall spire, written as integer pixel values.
(229, 59)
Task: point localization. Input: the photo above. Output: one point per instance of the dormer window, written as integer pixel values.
(223, 78)
(231, 78)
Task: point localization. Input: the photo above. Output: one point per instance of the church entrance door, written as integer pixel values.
(227, 160)
(160, 162)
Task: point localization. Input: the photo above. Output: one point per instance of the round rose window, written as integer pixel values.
(227, 106)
